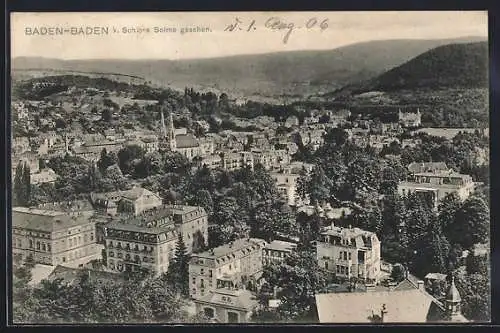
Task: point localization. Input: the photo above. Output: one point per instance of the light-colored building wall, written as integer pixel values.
(349, 252)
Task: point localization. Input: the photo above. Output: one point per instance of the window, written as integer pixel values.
(31, 244)
(111, 254)
(44, 248)
(209, 312)
(194, 280)
(326, 264)
(210, 273)
(202, 271)
(349, 255)
(38, 245)
(48, 248)
(232, 317)
(91, 237)
(120, 255)
(64, 259)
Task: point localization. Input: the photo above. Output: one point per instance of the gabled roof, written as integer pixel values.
(435, 276)
(416, 167)
(241, 299)
(70, 275)
(403, 306)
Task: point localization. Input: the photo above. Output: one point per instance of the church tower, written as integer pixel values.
(171, 132)
(167, 136)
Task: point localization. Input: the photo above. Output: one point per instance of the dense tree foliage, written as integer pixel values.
(178, 269)
(22, 185)
(298, 279)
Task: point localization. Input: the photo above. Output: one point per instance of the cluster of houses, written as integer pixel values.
(140, 232)
(132, 230)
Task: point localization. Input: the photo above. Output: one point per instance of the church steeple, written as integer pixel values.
(171, 132)
(163, 127)
(167, 139)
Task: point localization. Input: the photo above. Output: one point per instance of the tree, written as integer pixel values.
(472, 222)
(269, 218)
(299, 278)
(178, 270)
(22, 185)
(447, 216)
(22, 302)
(127, 155)
(199, 243)
(475, 292)
(106, 160)
(203, 198)
(476, 264)
(398, 273)
(433, 250)
(319, 186)
(303, 184)
(106, 115)
(231, 219)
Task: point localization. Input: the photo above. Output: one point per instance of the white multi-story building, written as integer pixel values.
(276, 252)
(436, 185)
(236, 264)
(349, 252)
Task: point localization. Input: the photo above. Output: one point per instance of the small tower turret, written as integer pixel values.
(452, 303)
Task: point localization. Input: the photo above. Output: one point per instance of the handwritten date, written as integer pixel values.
(278, 24)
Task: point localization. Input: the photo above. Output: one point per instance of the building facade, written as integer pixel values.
(276, 252)
(436, 185)
(148, 240)
(349, 252)
(410, 119)
(235, 264)
(54, 238)
(132, 247)
(134, 201)
(227, 305)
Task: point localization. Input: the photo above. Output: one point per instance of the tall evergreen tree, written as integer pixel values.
(22, 185)
(178, 270)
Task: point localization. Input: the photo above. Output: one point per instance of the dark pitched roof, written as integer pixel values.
(70, 275)
(428, 166)
(186, 141)
(45, 221)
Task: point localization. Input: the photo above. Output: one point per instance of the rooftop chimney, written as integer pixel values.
(420, 284)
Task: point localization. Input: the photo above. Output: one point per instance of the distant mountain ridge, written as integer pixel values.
(448, 66)
(294, 72)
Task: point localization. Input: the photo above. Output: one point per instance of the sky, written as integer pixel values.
(271, 32)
